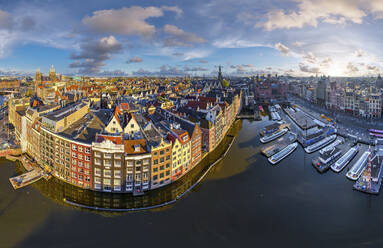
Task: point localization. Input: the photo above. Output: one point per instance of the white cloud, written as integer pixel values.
(284, 50)
(178, 37)
(310, 12)
(127, 21)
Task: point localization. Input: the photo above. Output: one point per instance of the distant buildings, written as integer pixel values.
(268, 89)
(362, 99)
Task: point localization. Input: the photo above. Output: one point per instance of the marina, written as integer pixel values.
(271, 149)
(283, 153)
(357, 169)
(318, 145)
(341, 163)
(274, 136)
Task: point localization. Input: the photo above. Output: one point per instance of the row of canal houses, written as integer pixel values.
(120, 150)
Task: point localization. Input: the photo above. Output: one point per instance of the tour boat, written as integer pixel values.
(283, 153)
(357, 169)
(323, 162)
(345, 159)
(274, 136)
(318, 145)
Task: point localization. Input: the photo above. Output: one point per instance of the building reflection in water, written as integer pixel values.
(60, 191)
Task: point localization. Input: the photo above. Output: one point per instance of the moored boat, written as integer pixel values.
(318, 145)
(345, 159)
(274, 136)
(359, 166)
(326, 159)
(283, 153)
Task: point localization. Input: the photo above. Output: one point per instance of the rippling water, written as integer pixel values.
(244, 201)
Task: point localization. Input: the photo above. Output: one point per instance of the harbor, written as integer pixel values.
(317, 135)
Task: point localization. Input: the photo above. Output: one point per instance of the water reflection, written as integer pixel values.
(67, 194)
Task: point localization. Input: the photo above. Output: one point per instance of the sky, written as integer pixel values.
(194, 37)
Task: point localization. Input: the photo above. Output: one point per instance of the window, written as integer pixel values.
(168, 157)
(97, 161)
(155, 170)
(97, 154)
(80, 156)
(107, 155)
(117, 174)
(117, 156)
(107, 181)
(138, 177)
(161, 160)
(155, 178)
(80, 148)
(167, 166)
(87, 158)
(74, 155)
(74, 175)
(132, 126)
(161, 168)
(162, 152)
(87, 166)
(146, 161)
(129, 177)
(97, 180)
(117, 163)
(87, 150)
(117, 182)
(155, 161)
(107, 163)
(107, 173)
(74, 161)
(130, 163)
(97, 171)
(74, 147)
(162, 175)
(167, 173)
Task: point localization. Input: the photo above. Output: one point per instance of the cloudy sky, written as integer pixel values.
(94, 37)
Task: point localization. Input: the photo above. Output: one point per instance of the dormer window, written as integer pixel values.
(136, 148)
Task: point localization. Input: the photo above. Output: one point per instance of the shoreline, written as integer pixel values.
(178, 197)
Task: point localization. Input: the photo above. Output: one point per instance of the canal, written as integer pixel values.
(242, 202)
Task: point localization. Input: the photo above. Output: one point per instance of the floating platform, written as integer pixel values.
(26, 178)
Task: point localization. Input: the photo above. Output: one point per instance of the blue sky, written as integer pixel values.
(295, 37)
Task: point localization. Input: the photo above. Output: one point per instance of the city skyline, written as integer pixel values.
(298, 37)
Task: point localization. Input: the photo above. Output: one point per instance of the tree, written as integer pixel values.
(225, 83)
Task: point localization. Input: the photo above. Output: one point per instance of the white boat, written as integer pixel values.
(330, 147)
(283, 153)
(357, 169)
(316, 146)
(274, 136)
(345, 159)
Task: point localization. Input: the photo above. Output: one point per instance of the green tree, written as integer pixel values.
(225, 83)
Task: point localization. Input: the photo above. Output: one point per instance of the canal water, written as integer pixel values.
(242, 202)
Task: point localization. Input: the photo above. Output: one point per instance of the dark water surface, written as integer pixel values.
(243, 202)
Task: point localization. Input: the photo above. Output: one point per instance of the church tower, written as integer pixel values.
(52, 74)
(220, 78)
